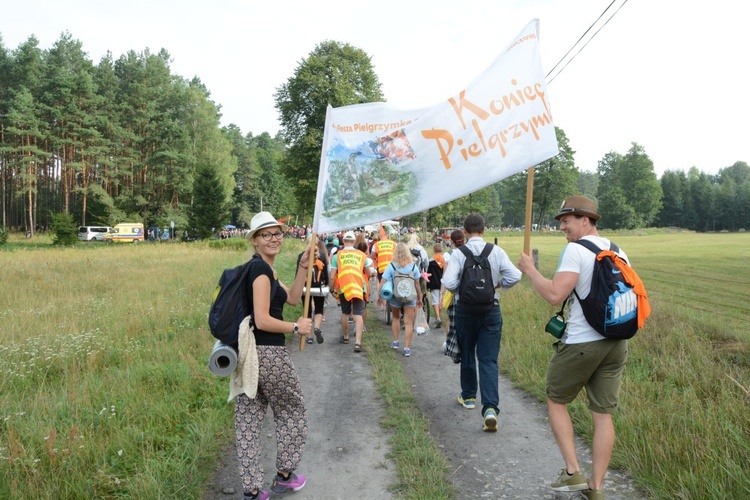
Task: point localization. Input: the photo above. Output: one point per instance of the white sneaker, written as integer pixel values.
(445, 348)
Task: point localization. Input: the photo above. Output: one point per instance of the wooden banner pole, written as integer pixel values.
(308, 281)
(529, 205)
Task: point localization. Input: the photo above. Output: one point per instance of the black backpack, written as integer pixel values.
(320, 270)
(476, 292)
(418, 259)
(611, 307)
(436, 274)
(233, 302)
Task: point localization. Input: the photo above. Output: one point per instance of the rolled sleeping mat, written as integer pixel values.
(386, 291)
(317, 291)
(223, 359)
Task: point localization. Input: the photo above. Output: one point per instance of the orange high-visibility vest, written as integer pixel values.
(349, 273)
(385, 250)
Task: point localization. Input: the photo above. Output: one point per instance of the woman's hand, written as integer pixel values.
(304, 325)
(304, 260)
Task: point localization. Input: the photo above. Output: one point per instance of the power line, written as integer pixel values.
(582, 37)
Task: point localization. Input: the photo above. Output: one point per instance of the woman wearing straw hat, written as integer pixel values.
(278, 383)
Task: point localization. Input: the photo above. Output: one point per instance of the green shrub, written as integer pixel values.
(230, 244)
(3, 236)
(64, 229)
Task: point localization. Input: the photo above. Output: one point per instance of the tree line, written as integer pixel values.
(127, 140)
(122, 140)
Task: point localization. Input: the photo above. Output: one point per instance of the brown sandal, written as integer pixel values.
(344, 340)
(357, 347)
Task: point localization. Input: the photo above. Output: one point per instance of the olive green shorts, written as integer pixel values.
(597, 366)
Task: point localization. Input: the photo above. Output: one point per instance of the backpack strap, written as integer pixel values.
(487, 250)
(470, 258)
(274, 286)
(593, 247)
(561, 312)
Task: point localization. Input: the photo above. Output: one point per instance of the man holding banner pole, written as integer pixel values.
(582, 357)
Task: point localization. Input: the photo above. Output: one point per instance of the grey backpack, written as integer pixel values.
(404, 287)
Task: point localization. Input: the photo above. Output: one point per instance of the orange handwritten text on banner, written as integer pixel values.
(462, 106)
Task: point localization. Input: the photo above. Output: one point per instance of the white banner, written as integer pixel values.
(379, 163)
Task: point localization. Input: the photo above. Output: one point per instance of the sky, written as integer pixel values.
(669, 75)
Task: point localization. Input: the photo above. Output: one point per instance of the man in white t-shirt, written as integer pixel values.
(582, 357)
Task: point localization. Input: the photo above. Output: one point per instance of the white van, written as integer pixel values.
(92, 233)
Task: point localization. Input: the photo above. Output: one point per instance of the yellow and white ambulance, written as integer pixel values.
(126, 232)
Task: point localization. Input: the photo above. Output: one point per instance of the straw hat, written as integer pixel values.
(262, 220)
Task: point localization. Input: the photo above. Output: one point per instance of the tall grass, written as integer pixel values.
(104, 391)
(683, 423)
(103, 386)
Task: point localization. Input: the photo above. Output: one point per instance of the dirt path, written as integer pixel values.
(346, 448)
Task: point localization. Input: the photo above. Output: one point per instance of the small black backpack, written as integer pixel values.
(476, 292)
(320, 271)
(436, 274)
(233, 302)
(611, 307)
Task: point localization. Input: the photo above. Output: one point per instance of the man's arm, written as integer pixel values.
(554, 291)
(452, 276)
(509, 274)
(334, 270)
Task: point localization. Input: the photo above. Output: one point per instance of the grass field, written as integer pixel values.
(683, 425)
(104, 391)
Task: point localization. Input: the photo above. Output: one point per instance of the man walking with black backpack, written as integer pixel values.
(473, 273)
(582, 357)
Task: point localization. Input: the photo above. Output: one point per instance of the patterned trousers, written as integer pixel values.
(279, 387)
